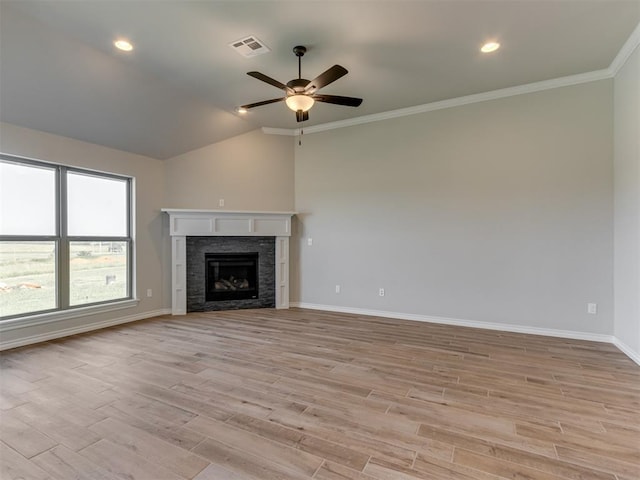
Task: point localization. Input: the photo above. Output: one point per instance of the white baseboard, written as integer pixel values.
(548, 332)
(627, 350)
(65, 332)
(505, 327)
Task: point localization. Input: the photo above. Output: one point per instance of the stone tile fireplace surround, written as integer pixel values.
(234, 225)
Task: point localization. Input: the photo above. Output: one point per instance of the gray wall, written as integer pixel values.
(627, 204)
(500, 211)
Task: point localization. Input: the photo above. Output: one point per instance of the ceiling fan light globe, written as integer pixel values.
(299, 102)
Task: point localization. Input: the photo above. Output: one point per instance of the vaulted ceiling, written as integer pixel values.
(179, 88)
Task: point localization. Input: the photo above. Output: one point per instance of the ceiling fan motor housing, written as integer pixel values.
(298, 84)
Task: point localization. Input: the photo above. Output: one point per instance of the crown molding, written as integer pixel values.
(451, 103)
(280, 131)
(625, 52)
(623, 55)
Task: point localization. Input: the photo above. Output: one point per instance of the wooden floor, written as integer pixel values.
(298, 394)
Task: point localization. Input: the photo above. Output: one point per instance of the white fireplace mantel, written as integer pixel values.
(185, 223)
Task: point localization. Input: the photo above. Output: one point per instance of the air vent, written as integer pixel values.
(250, 46)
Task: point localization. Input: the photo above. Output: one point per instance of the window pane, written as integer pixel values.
(27, 200)
(27, 277)
(97, 206)
(98, 272)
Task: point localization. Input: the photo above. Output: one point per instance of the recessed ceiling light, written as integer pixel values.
(241, 110)
(490, 47)
(124, 45)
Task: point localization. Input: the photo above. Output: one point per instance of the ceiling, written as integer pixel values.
(178, 89)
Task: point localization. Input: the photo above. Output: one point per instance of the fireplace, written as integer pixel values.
(195, 233)
(231, 276)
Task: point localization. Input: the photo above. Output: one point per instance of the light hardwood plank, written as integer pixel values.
(60, 429)
(64, 464)
(123, 463)
(23, 438)
(291, 458)
(16, 467)
(149, 447)
(243, 463)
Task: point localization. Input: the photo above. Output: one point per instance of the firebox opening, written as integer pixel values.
(231, 276)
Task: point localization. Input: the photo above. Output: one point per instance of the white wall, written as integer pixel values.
(500, 212)
(253, 171)
(627, 205)
(149, 185)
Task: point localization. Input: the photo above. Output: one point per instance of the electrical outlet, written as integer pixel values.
(149, 293)
(592, 308)
(381, 292)
(310, 241)
(337, 288)
(221, 202)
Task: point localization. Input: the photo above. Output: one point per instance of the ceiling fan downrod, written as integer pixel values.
(299, 51)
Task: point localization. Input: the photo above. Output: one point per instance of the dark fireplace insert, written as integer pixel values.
(231, 276)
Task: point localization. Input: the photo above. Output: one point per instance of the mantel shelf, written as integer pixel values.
(184, 222)
(222, 212)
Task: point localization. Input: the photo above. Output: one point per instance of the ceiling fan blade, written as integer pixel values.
(325, 78)
(264, 102)
(269, 80)
(338, 100)
(302, 116)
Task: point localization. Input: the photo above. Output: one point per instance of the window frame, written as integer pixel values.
(62, 240)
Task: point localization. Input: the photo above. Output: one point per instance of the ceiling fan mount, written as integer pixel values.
(299, 50)
(300, 93)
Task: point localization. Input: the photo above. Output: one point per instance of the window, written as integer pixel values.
(65, 237)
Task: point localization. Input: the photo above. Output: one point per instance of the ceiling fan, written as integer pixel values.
(301, 93)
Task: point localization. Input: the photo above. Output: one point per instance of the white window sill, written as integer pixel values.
(52, 317)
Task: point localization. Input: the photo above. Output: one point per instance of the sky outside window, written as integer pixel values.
(96, 206)
(27, 200)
